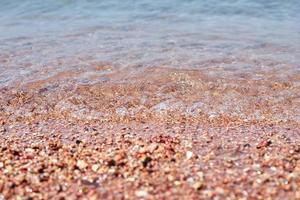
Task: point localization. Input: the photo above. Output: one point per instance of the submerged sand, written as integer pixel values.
(155, 133)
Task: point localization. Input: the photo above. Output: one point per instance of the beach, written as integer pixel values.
(141, 99)
(119, 140)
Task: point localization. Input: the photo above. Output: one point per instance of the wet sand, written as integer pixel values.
(155, 133)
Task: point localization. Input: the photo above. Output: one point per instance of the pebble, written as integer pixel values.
(81, 164)
(152, 147)
(141, 193)
(29, 150)
(198, 185)
(264, 143)
(189, 155)
(95, 167)
(161, 164)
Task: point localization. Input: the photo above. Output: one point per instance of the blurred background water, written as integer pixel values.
(59, 35)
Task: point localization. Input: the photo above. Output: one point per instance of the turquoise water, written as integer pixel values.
(38, 38)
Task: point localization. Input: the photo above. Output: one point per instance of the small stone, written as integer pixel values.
(197, 185)
(20, 178)
(200, 175)
(189, 155)
(146, 161)
(247, 145)
(54, 161)
(29, 150)
(171, 178)
(264, 143)
(112, 171)
(177, 183)
(111, 163)
(8, 170)
(120, 156)
(2, 130)
(220, 190)
(131, 179)
(190, 180)
(187, 143)
(95, 168)
(81, 164)
(141, 193)
(152, 147)
(78, 142)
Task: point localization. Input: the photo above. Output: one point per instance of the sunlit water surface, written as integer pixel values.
(40, 38)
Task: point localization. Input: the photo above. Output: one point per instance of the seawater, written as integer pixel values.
(40, 38)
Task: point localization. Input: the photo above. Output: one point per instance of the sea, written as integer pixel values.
(41, 38)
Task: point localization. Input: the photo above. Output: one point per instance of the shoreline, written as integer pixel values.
(153, 134)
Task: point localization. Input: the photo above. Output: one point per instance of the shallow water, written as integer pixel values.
(38, 39)
(233, 60)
